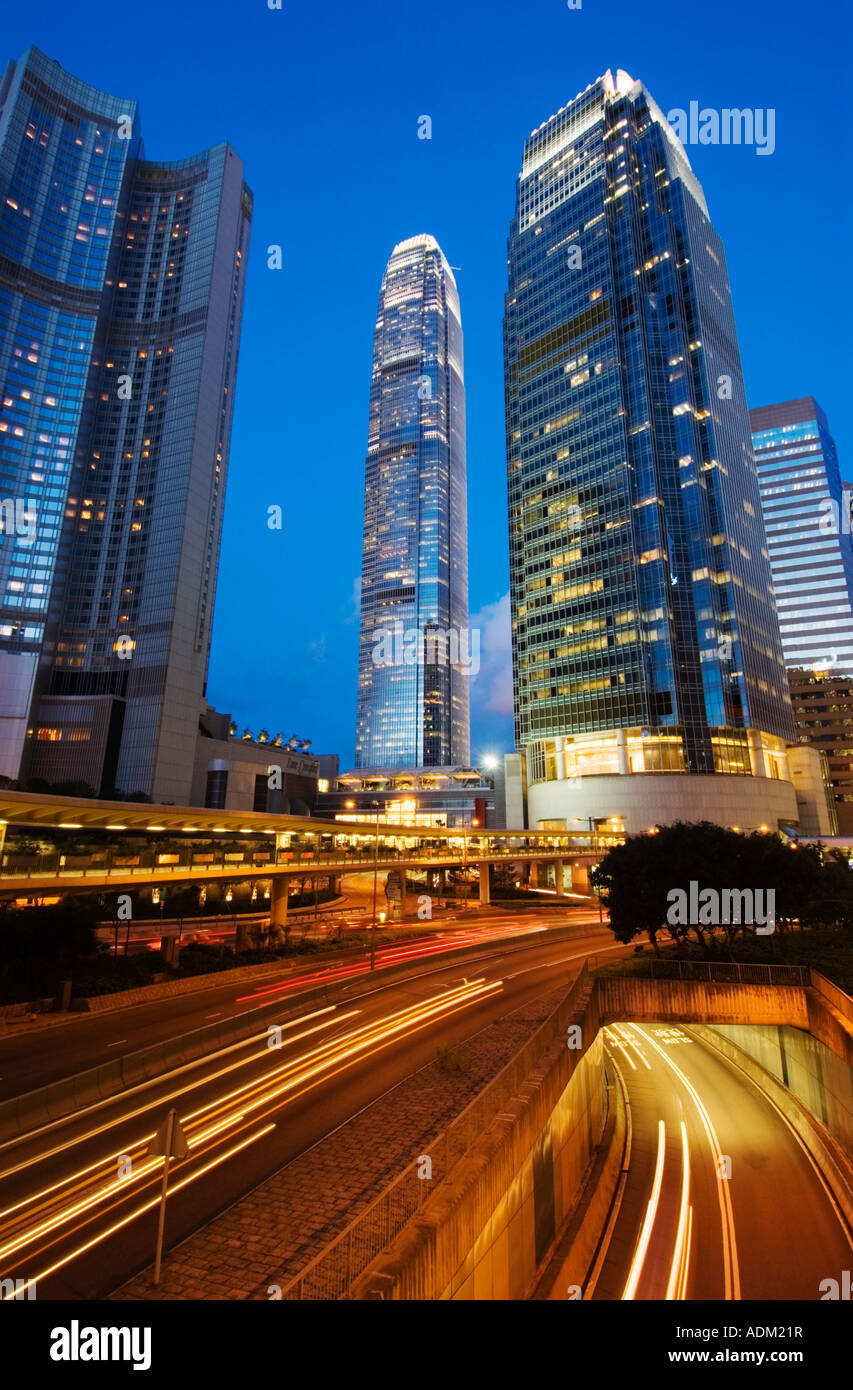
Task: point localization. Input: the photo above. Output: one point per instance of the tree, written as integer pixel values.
(66, 930)
(639, 881)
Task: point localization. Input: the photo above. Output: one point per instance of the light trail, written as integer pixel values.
(206, 1125)
(677, 1285)
(648, 1224)
(172, 1095)
(395, 953)
(633, 1043)
(140, 1211)
(730, 1258)
(616, 1042)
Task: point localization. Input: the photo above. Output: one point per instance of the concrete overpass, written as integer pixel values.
(206, 845)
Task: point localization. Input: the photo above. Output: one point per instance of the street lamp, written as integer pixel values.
(474, 824)
(378, 806)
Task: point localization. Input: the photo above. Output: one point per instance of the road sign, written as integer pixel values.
(175, 1145)
(169, 1142)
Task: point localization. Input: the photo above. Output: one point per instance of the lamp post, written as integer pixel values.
(375, 876)
(593, 822)
(474, 823)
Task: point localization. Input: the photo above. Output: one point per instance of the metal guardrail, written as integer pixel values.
(730, 972)
(331, 1273)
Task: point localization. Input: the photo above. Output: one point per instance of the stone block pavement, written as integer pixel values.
(273, 1232)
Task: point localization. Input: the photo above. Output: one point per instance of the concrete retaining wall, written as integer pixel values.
(492, 1221)
(570, 1270)
(684, 1001)
(806, 1068)
(833, 1159)
(831, 1016)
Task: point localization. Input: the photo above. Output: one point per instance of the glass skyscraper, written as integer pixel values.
(807, 518)
(121, 289)
(416, 653)
(645, 638)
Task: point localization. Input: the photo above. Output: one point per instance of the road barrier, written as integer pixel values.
(64, 1099)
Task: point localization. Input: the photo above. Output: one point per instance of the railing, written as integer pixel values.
(335, 1269)
(110, 864)
(729, 972)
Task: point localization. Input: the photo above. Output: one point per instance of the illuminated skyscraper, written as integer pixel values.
(121, 289)
(645, 638)
(807, 516)
(416, 655)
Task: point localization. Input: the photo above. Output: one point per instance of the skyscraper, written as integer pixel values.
(645, 638)
(807, 518)
(121, 289)
(416, 654)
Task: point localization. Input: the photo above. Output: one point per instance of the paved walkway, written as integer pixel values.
(272, 1233)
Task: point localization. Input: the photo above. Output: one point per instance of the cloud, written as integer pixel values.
(492, 686)
(354, 614)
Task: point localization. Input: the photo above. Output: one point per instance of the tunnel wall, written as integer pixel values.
(819, 1080)
(489, 1226)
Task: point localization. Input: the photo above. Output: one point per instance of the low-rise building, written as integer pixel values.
(448, 796)
(256, 772)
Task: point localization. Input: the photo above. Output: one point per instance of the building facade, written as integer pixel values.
(249, 772)
(416, 654)
(422, 796)
(648, 669)
(823, 710)
(121, 291)
(807, 518)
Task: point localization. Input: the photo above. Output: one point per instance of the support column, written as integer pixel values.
(558, 878)
(756, 753)
(622, 751)
(580, 878)
(485, 884)
(278, 901)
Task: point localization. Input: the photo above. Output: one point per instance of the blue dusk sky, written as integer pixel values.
(321, 102)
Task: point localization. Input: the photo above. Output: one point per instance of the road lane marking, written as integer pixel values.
(730, 1259)
(651, 1212)
(628, 1058)
(632, 1043)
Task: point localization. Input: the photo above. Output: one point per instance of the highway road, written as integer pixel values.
(77, 1214)
(32, 1058)
(721, 1199)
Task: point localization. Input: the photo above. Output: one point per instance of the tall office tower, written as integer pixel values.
(645, 638)
(121, 288)
(823, 712)
(807, 518)
(415, 655)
